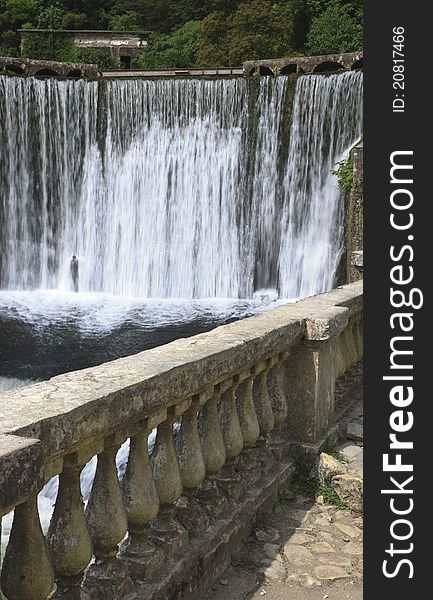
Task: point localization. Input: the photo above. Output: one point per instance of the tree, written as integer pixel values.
(213, 47)
(337, 29)
(178, 49)
(257, 29)
(51, 17)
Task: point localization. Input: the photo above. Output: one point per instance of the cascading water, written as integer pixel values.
(326, 122)
(173, 188)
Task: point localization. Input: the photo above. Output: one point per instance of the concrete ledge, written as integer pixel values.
(21, 470)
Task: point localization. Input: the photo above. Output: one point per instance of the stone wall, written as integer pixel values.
(45, 68)
(304, 64)
(239, 396)
(355, 217)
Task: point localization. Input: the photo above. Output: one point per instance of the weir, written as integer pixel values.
(185, 191)
(142, 180)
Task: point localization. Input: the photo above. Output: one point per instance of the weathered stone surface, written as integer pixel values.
(304, 579)
(350, 490)
(328, 467)
(300, 538)
(335, 559)
(300, 64)
(298, 555)
(355, 431)
(330, 572)
(353, 548)
(31, 67)
(322, 548)
(21, 470)
(269, 535)
(353, 532)
(271, 550)
(276, 571)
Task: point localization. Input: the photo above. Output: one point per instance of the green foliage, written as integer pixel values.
(178, 49)
(344, 173)
(51, 46)
(74, 20)
(51, 17)
(96, 56)
(303, 483)
(201, 32)
(257, 29)
(337, 29)
(330, 496)
(13, 13)
(129, 21)
(9, 43)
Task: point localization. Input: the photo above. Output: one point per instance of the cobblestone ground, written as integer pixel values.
(305, 550)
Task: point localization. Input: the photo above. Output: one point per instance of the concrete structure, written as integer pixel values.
(46, 68)
(241, 394)
(176, 72)
(281, 66)
(304, 64)
(122, 45)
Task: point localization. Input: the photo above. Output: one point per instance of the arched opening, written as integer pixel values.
(328, 67)
(46, 73)
(75, 74)
(358, 64)
(249, 72)
(287, 69)
(263, 70)
(14, 69)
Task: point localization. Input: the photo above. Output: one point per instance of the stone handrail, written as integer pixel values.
(224, 404)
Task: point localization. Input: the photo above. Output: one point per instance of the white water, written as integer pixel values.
(326, 122)
(174, 188)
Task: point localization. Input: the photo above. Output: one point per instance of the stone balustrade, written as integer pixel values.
(225, 405)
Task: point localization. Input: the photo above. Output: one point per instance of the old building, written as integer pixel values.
(123, 45)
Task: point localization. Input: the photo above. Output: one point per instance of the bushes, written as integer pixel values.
(50, 46)
(256, 29)
(95, 56)
(337, 29)
(178, 49)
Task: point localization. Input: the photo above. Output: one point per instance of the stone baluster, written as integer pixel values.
(262, 401)
(249, 463)
(108, 525)
(192, 472)
(228, 478)
(311, 376)
(27, 573)
(248, 421)
(68, 537)
(142, 559)
(214, 454)
(278, 397)
(212, 441)
(276, 388)
(166, 529)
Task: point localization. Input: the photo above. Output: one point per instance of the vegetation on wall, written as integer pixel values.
(344, 173)
(191, 32)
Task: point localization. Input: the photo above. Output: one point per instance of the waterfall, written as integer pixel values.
(327, 120)
(174, 188)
